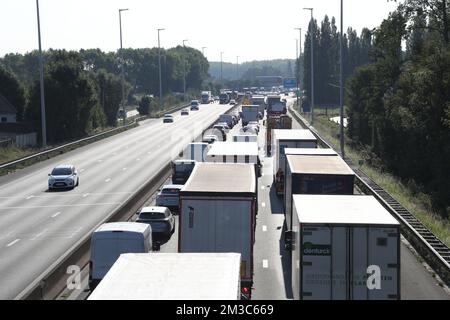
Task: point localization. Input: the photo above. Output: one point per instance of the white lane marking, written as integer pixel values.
(85, 195)
(265, 263)
(99, 160)
(64, 205)
(264, 228)
(38, 235)
(56, 214)
(138, 159)
(13, 243)
(262, 188)
(30, 197)
(263, 204)
(82, 170)
(124, 169)
(108, 180)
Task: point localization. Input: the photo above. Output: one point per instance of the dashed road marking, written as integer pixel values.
(124, 169)
(263, 204)
(263, 188)
(85, 195)
(264, 228)
(265, 263)
(56, 214)
(38, 235)
(64, 205)
(30, 197)
(13, 243)
(108, 180)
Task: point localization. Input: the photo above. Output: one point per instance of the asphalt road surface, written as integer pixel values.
(38, 226)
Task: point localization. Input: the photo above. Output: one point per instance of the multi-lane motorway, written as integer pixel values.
(37, 226)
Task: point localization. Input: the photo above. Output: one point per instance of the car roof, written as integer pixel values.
(123, 226)
(173, 186)
(68, 166)
(153, 209)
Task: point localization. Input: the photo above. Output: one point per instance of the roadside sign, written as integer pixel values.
(290, 83)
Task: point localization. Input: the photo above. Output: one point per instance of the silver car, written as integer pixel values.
(63, 176)
(160, 219)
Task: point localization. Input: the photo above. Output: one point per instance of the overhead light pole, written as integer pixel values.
(184, 72)
(124, 114)
(312, 63)
(41, 72)
(221, 68)
(203, 50)
(160, 77)
(298, 66)
(341, 93)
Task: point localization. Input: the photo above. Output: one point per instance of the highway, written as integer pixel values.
(37, 226)
(272, 276)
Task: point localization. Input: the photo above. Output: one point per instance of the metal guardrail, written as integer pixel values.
(429, 246)
(46, 154)
(53, 280)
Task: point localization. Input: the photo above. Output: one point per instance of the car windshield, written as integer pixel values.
(61, 172)
(152, 215)
(173, 191)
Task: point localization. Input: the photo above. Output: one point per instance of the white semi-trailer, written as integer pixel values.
(306, 174)
(288, 138)
(218, 213)
(172, 276)
(206, 97)
(344, 248)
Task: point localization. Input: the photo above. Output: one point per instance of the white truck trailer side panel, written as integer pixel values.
(215, 224)
(172, 276)
(332, 252)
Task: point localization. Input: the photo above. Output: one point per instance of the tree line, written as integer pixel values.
(398, 103)
(326, 59)
(83, 90)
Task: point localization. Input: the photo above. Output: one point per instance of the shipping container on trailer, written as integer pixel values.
(235, 152)
(172, 276)
(344, 248)
(288, 138)
(218, 213)
(307, 174)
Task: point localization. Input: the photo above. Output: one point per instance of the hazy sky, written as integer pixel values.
(251, 29)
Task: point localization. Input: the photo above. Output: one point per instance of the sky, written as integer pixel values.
(250, 29)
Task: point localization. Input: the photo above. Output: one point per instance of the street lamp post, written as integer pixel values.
(312, 64)
(237, 71)
(122, 65)
(184, 73)
(203, 50)
(298, 65)
(160, 77)
(41, 71)
(341, 93)
(221, 69)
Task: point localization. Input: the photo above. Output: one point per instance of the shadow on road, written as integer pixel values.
(286, 265)
(276, 205)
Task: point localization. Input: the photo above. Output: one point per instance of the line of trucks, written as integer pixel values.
(342, 245)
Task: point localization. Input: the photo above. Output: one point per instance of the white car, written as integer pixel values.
(167, 118)
(160, 219)
(63, 176)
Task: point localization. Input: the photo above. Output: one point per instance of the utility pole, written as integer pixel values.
(41, 72)
(184, 72)
(160, 77)
(203, 50)
(221, 69)
(341, 93)
(298, 65)
(124, 115)
(312, 64)
(237, 72)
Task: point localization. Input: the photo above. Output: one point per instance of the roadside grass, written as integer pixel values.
(12, 152)
(407, 194)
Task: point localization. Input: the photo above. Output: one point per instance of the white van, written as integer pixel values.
(110, 240)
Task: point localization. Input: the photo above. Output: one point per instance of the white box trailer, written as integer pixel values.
(196, 151)
(235, 152)
(315, 175)
(344, 248)
(310, 152)
(172, 276)
(218, 213)
(288, 138)
(245, 138)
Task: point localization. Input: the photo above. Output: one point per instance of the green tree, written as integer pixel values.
(13, 91)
